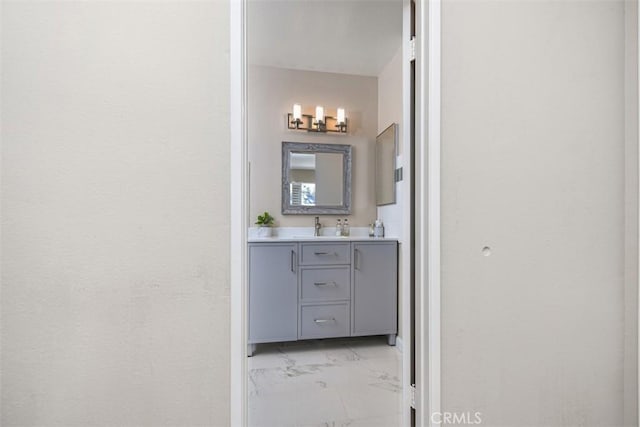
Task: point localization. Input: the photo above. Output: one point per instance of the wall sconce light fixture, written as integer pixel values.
(320, 123)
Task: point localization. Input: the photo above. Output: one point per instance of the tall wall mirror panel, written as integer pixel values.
(386, 144)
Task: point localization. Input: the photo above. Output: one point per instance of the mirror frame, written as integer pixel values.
(301, 147)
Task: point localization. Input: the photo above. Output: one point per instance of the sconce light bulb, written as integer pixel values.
(320, 113)
(297, 112)
(341, 116)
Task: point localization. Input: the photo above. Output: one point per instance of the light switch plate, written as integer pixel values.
(398, 174)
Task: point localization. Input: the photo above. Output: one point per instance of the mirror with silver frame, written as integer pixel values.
(316, 178)
(386, 166)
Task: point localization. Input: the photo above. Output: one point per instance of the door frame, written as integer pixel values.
(428, 208)
(427, 319)
(238, 212)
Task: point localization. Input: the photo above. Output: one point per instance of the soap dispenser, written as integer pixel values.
(345, 228)
(338, 229)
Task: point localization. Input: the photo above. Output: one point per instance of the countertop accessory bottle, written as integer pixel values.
(371, 230)
(378, 229)
(339, 228)
(346, 230)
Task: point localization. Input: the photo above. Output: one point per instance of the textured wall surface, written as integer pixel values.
(631, 215)
(533, 144)
(114, 213)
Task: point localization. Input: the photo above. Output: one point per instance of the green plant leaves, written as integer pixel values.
(265, 219)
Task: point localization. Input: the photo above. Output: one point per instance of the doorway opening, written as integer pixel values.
(361, 69)
(411, 167)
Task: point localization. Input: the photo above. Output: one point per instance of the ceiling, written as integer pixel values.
(339, 36)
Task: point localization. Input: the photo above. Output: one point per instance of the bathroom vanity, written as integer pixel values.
(322, 288)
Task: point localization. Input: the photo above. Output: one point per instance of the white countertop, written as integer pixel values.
(305, 234)
(326, 239)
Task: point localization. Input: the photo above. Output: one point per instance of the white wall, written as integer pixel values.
(533, 166)
(631, 216)
(272, 93)
(389, 112)
(114, 213)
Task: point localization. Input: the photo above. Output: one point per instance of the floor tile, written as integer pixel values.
(341, 382)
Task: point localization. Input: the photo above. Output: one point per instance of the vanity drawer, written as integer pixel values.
(324, 321)
(325, 253)
(325, 284)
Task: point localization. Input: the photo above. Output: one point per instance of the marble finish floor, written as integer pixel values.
(332, 383)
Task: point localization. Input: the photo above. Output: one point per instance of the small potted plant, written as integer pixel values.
(264, 223)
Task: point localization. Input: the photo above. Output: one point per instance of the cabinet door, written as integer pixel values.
(375, 288)
(273, 292)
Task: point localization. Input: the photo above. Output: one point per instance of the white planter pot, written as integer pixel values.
(265, 231)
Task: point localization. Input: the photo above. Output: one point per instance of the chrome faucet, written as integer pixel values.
(318, 226)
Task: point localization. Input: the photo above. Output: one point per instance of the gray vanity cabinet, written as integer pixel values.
(273, 292)
(375, 294)
(324, 289)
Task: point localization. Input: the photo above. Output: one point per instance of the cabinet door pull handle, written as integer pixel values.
(324, 253)
(293, 255)
(325, 284)
(322, 321)
(356, 261)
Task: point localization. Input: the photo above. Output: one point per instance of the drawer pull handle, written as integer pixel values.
(324, 253)
(325, 284)
(323, 321)
(293, 261)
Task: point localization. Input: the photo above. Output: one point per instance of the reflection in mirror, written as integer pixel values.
(316, 178)
(386, 166)
(302, 185)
